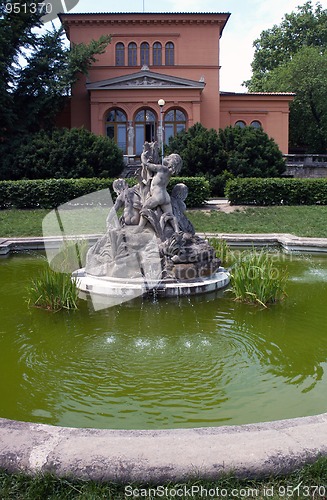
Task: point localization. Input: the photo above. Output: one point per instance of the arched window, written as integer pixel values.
(132, 54)
(169, 54)
(145, 54)
(120, 54)
(175, 121)
(157, 54)
(145, 128)
(240, 123)
(116, 128)
(256, 124)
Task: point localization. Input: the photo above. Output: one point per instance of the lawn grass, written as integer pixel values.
(307, 221)
(303, 483)
(17, 223)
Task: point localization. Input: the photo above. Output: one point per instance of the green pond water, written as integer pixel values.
(146, 364)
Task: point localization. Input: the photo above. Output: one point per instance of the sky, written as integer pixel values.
(248, 19)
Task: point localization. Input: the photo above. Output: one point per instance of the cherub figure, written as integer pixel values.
(158, 197)
(130, 199)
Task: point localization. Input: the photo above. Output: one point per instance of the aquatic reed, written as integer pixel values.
(223, 251)
(53, 291)
(256, 278)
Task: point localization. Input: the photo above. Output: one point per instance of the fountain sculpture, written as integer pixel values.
(152, 247)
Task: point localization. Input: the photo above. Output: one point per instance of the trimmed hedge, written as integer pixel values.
(198, 189)
(275, 191)
(50, 193)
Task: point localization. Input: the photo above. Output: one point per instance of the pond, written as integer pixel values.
(147, 364)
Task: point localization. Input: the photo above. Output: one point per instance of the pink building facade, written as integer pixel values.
(160, 75)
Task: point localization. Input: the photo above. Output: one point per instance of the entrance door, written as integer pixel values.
(116, 128)
(145, 129)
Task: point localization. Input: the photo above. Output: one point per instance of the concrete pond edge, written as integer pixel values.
(158, 456)
(287, 242)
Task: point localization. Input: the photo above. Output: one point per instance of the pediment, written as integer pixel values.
(145, 78)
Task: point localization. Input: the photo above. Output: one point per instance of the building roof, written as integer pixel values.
(140, 17)
(145, 13)
(238, 94)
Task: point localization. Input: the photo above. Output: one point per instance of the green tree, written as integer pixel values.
(291, 57)
(15, 36)
(306, 75)
(36, 69)
(278, 45)
(62, 153)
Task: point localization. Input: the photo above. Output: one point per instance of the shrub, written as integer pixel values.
(233, 152)
(277, 191)
(256, 279)
(218, 183)
(198, 189)
(249, 152)
(50, 193)
(61, 153)
(199, 148)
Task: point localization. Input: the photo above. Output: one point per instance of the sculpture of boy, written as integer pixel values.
(158, 196)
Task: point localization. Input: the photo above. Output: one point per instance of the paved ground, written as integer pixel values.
(223, 205)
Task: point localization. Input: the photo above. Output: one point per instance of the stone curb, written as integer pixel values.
(123, 456)
(9, 245)
(287, 242)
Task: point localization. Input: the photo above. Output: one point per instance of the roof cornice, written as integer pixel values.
(256, 94)
(146, 19)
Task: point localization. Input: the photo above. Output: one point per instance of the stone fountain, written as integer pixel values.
(150, 246)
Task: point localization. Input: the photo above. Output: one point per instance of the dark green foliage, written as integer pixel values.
(231, 152)
(249, 152)
(16, 34)
(218, 183)
(198, 189)
(61, 153)
(306, 75)
(51, 193)
(277, 191)
(199, 148)
(43, 84)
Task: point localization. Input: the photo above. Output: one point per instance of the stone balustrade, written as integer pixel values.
(306, 165)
